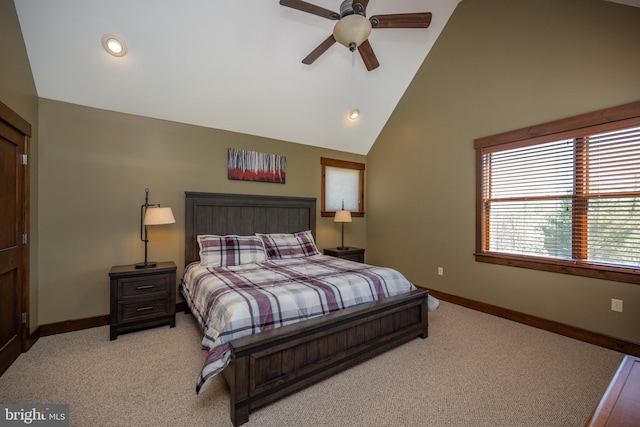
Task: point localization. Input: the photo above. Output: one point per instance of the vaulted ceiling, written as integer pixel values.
(228, 64)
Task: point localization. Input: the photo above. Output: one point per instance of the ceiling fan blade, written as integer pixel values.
(369, 58)
(310, 8)
(402, 20)
(360, 5)
(322, 48)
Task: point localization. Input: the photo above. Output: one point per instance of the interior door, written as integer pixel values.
(13, 224)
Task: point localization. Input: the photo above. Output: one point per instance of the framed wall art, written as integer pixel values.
(245, 165)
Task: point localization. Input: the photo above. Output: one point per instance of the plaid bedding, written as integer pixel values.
(235, 301)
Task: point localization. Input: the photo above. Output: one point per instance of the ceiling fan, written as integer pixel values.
(353, 27)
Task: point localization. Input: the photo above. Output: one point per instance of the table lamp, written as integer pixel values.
(152, 214)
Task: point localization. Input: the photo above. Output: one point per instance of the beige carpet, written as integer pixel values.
(473, 370)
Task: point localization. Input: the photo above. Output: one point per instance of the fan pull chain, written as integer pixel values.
(353, 59)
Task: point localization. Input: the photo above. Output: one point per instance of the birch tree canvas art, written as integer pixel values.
(245, 165)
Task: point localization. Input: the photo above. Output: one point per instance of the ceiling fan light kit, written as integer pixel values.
(353, 27)
(352, 30)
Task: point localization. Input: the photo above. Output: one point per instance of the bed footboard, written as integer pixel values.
(272, 364)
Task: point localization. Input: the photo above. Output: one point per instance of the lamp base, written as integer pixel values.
(145, 264)
(343, 248)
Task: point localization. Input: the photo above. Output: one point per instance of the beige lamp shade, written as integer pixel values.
(158, 216)
(342, 216)
(352, 30)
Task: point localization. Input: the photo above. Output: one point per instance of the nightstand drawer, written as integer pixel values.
(350, 254)
(138, 310)
(143, 286)
(354, 257)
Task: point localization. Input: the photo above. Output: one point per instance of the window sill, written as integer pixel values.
(333, 213)
(603, 272)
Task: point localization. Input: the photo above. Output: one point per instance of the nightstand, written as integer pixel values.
(142, 297)
(352, 254)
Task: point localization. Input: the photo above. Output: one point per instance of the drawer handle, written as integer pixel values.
(149, 307)
(144, 287)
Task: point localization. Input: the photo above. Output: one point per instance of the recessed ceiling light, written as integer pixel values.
(114, 45)
(354, 114)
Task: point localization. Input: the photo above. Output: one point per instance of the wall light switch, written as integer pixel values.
(440, 271)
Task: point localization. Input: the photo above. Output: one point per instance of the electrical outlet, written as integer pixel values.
(440, 271)
(616, 305)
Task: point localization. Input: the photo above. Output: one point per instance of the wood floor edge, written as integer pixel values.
(569, 331)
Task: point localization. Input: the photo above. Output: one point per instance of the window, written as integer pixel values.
(342, 181)
(563, 196)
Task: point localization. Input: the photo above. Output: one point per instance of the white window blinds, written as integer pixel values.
(612, 196)
(342, 186)
(342, 181)
(574, 198)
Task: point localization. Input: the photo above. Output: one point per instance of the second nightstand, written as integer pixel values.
(352, 254)
(142, 297)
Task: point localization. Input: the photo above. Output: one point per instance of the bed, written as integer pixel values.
(289, 355)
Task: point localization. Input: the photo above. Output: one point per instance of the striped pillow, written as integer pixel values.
(283, 246)
(223, 251)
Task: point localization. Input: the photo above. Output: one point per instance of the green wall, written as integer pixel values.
(94, 168)
(499, 65)
(18, 92)
(89, 169)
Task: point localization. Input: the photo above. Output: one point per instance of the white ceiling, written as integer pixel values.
(227, 64)
(635, 3)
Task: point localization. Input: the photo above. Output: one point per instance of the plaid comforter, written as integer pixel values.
(231, 302)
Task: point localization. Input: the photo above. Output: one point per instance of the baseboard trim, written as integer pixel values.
(78, 324)
(617, 344)
(580, 334)
(73, 325)
(180, 306)
(33, 337)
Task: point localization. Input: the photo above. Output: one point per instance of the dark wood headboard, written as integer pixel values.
(241, 214)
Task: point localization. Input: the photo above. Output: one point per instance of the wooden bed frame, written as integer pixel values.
(272, 364)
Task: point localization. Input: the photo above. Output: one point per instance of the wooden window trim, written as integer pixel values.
(325, 161)
(598, 121)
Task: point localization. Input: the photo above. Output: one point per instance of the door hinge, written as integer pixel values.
(24, 160)
(24, 239)
(24, 317)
